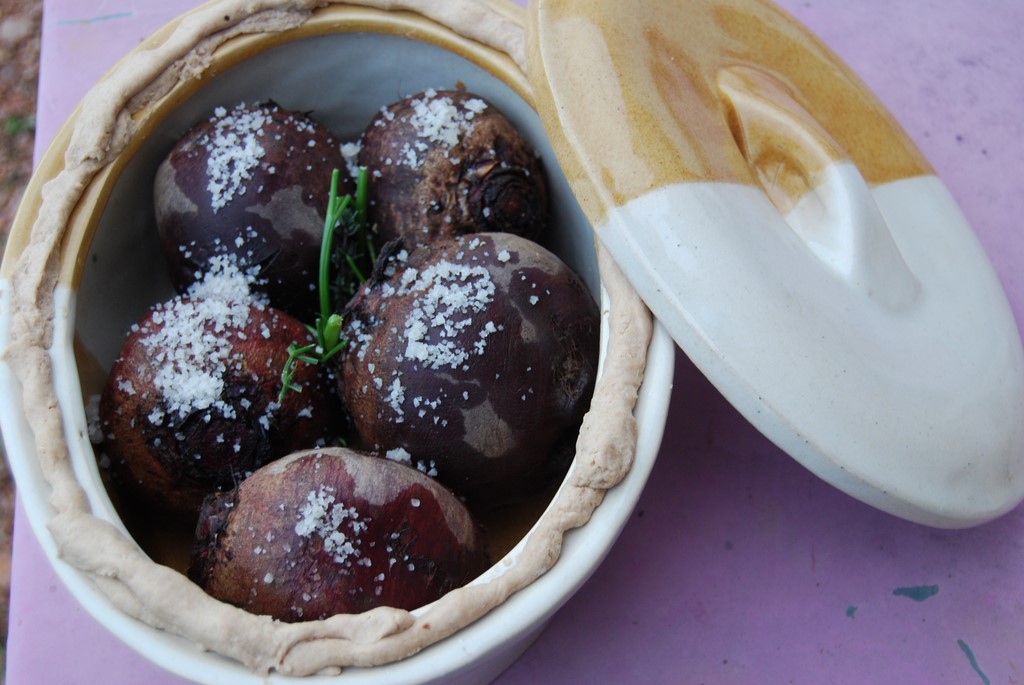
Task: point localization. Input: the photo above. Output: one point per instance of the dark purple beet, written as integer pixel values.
(333, 531)
(251, 182)
(190, 404)
(475, 357)
(447, 163)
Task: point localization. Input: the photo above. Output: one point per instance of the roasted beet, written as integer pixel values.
(446, 163)
(190, 404)
(474, 358)
(332, 531)
(249, 182)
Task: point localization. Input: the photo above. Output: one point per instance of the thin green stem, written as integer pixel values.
(335, 210)
(328, 327)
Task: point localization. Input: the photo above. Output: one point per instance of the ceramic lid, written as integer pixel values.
(794, 242)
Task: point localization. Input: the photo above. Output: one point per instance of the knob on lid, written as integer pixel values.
(794, 242)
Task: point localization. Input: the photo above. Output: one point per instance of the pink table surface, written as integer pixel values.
(738, 566)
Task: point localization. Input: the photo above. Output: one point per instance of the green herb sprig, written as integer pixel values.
(355, 254)
(346, 215)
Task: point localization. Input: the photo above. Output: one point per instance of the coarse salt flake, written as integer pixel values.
(192, 342)
(233, 152)
(440, 120)
(400, 455)
(338, 526)
(446, 297)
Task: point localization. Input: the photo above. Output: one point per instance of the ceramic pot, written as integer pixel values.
(83, 263)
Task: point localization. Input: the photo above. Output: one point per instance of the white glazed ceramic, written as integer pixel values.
(795, 244)
(110, 271)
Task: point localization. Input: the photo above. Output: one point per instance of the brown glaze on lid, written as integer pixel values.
(643, 94)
